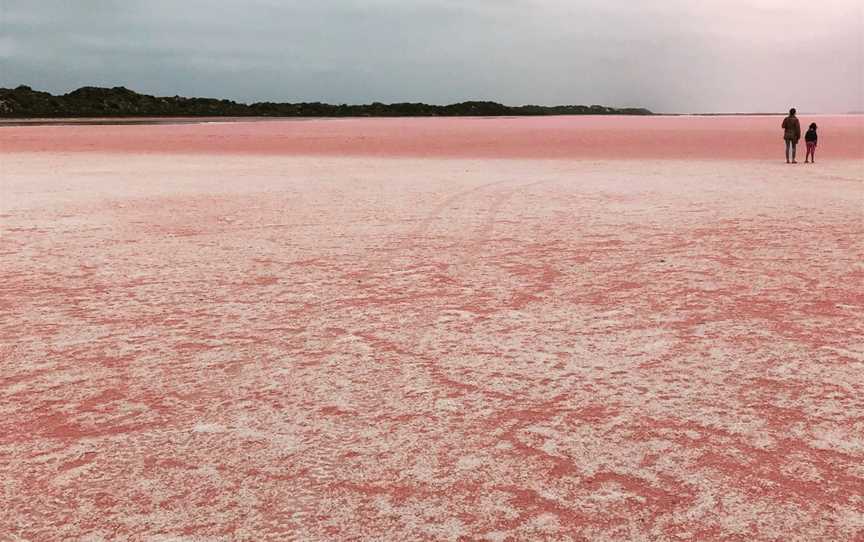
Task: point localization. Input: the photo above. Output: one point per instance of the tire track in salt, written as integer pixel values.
(422, 330)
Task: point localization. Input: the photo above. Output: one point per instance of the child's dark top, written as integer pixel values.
(811, 136)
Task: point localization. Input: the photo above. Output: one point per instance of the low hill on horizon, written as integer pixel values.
(24, 102)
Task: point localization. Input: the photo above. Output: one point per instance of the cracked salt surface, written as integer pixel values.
(388, 347)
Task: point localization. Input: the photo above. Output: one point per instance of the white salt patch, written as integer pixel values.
(207, 428)
(469, 462)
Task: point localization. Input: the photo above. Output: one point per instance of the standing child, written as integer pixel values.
(811, 138)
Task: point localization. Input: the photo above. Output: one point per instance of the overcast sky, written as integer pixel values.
(667, 55)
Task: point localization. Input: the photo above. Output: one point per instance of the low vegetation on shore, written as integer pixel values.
(24, 102)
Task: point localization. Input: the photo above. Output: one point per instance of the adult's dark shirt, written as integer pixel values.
(791, 129)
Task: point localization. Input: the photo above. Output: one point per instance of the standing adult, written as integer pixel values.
(791, 134)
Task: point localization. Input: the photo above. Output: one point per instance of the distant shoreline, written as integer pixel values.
(23, 106)
(162, 121)
(6, 122)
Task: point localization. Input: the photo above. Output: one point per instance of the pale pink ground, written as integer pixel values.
(255, 347)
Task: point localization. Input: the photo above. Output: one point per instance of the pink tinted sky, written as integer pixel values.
(671, 56)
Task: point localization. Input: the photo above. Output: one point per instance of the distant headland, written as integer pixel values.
(24, 102)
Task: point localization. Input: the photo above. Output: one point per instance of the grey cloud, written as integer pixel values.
(676, 55)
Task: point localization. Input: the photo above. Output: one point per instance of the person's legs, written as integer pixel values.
(788, 145)
(794, 149)
(813, 154)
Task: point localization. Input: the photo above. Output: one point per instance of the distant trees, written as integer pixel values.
(23, 101)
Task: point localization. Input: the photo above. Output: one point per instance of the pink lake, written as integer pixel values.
(685, 137)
